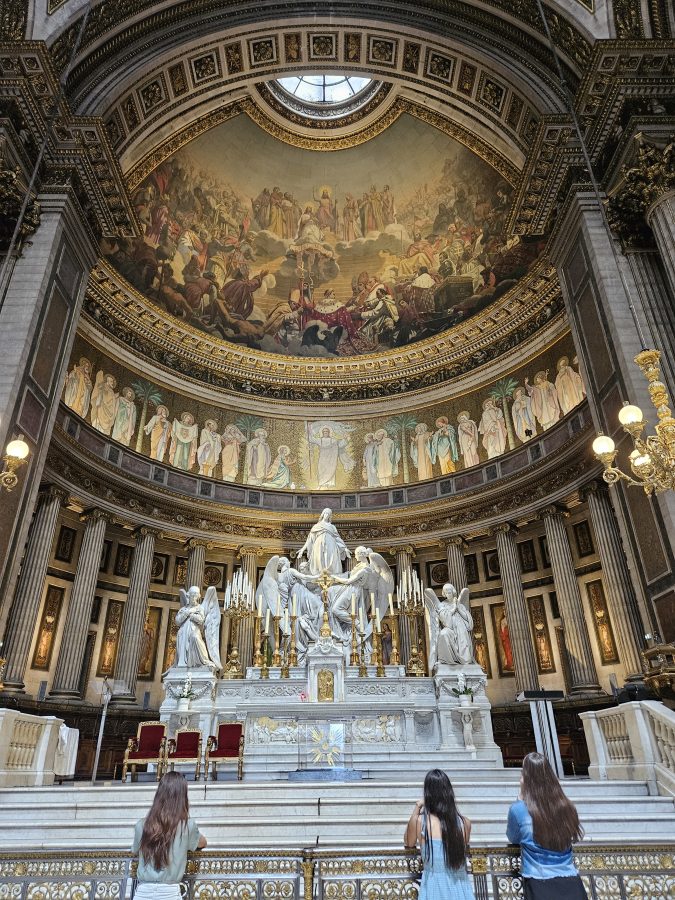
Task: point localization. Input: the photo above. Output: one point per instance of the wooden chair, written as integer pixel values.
(186, 747)
(227, 746)
(147, 747)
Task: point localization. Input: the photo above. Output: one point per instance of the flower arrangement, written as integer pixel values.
(186, 692)
(463, 689)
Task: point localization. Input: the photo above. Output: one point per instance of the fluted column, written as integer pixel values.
(621, 601)
(455, 547)
(23, 617)
(404, 556)
(583, 675)
(249, 564)
(73, 640)
(661, 219)
(517, 618)
(131, 637)
(196, 561)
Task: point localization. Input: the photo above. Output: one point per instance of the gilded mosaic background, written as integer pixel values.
(330, 254)
(320, 453)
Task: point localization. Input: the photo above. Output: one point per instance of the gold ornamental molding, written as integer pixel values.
(180, 138)
(128, 318)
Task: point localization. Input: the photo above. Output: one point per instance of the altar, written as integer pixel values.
(321, 694)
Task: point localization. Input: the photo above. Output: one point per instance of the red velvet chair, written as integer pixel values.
(227, 746)
(147, 747)
(186, 747)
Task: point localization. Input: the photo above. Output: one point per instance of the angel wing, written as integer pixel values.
(431, 603)
(268, 589)
(384, 584)
(211, 609)
(183, 597)
(464, 598)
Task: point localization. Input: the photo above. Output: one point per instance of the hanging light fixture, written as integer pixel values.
(652, 460)
(15, 456)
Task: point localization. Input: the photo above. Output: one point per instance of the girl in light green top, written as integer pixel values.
(162, 841)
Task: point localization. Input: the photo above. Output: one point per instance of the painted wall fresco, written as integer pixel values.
(322, 254)
(318, 453)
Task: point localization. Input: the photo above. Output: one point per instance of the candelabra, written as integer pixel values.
(354, 655)
(264, 668)
(259, 637)
(15, 456)
(293, 656)
(652, 460)
(238, 607)
(377, 653)
(395, 657)
(276, 656)
(363, 669)
(413, 609)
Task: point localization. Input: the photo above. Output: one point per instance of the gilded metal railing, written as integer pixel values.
(609, 873)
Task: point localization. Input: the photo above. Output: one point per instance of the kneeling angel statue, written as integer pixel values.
(198, 637)
(450, 626)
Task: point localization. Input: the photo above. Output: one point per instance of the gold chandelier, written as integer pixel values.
(652, 460)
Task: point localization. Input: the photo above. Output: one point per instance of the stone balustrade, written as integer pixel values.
(634, 741)
(28, 746)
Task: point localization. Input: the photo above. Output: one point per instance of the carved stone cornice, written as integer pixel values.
(645, 181)
(78, 153)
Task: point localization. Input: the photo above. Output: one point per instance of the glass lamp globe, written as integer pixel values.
(630, 415)
(603, 444)
(17, 449)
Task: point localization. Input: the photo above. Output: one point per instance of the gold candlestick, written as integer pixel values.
(325, 582)
(294, 648)
(378, 644)
(276, 656)
(285, 670)
(264, 668)
(259, 637)
(395, 658)
(363, 670)
(354, 656)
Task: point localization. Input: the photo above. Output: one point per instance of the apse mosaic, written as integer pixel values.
(322, 453)
(322, 254)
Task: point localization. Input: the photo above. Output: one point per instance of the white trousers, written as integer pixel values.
(148, 891)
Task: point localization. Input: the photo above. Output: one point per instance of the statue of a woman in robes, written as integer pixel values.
(324, 548)
(451, 627)
(198, 637)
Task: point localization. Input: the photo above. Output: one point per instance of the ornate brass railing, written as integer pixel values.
(641, 872)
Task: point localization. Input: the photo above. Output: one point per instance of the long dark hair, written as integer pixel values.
(439, 801)
(168, 813)
(555, 821)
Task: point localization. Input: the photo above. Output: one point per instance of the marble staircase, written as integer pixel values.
(278, 814)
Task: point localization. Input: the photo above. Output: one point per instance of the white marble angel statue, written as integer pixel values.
(198, 637)
(450, 626)
(370, 575)
(268, 594)
(324, 548)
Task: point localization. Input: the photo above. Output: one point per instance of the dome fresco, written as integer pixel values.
(322, 254)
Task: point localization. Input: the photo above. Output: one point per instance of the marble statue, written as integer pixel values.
(324, 548)
(450, 626)
(370, 578)
(198, 637)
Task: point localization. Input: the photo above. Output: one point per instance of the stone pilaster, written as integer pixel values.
(23, 617)
(524, 659)
(455, 547)
(196, 562)
(584, 678)
(621, 601)
(661, 219)
(404, 557)
(73, 640)
(131, 637)
(249, 563)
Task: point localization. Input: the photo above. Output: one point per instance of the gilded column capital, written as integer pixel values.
(242, 551)
(198, 542)
(54, 492)
(551, 510)
(645, 181)
(456, 541)
(94, 514)
(146, 531)
(403, 548)
(503, 528)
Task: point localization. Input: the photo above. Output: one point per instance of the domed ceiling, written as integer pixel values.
(322, 254)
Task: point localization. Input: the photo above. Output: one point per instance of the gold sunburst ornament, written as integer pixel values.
(326, 744)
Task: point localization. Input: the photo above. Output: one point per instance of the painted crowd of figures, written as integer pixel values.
(349, 272)
(512, 414)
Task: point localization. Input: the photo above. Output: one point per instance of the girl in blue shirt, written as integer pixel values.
(545, 824)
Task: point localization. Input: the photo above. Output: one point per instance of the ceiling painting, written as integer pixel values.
(329, 255)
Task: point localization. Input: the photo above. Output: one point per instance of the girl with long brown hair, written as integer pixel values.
(545, 824)
(162, 841)
(442, 833)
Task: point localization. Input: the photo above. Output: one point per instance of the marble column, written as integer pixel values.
(131, 637)
(661, 219)
(517, 617)
(249, 564)
(196, 562)
(455, 547)
(24, 614)
(583, 675)
(621, 601)
(74, 637)
(404, 557)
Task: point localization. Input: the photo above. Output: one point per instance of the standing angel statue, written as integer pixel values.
(450, 626)
(198, 638)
